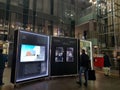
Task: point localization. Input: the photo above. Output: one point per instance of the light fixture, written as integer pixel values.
(92, 1)
(12, 26)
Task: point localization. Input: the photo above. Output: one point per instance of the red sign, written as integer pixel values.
(99, 62)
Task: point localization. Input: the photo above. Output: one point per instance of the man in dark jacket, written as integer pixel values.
(84, 65)
(107, 65)
(3, 59)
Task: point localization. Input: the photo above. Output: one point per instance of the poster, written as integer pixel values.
(70, 54)
(59, 54)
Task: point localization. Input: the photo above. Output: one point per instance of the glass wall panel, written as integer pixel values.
(46, 6)
(26, 13)
(56, 7)
(39, 5)
(17, 21)
(60, 8)
(20, 3)
(30, 23)
(3, 1)
(2, 14)
(31, 4)
(2, 29)
(15, 2)
(39, 25)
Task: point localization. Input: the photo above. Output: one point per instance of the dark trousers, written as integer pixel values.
(1, 75)
(85, 71)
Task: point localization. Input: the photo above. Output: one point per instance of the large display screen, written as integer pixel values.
(30, 56)
(31, 53)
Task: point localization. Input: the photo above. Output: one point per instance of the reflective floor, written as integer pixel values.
(67, 83)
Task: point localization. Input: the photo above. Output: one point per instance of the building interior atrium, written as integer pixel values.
(93, 21)
(97, 21)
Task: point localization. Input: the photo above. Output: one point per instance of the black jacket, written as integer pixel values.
(84, 60)
(106, 61)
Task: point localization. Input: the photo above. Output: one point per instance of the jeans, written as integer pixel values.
(85, 71)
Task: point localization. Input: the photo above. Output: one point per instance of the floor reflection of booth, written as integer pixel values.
(99, 62)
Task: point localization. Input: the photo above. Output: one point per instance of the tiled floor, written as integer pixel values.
(67, 83)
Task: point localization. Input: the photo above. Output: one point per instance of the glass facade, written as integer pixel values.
(108, 15)
(108, 23)
(51, 17)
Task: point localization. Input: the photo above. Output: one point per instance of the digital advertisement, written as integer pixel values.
(31, 53)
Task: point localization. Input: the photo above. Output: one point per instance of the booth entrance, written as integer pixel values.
(87, 45)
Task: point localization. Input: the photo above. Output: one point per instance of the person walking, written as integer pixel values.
(107, 64)
(84, 66)
(3, 59)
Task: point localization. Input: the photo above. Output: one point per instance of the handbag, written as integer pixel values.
(91, 75)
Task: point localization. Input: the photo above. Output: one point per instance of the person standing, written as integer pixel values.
(107, 64)
(3, 59)
(84, 66)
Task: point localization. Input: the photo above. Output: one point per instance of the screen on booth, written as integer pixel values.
(32, 53)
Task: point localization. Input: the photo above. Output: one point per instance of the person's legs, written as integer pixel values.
(108, 71)
(86, 76)
(1, 76)
(105, 70)
(80, 76)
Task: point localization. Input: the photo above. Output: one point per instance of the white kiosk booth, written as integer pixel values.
(87, 45)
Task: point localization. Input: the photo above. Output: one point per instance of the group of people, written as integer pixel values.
(85, 66)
